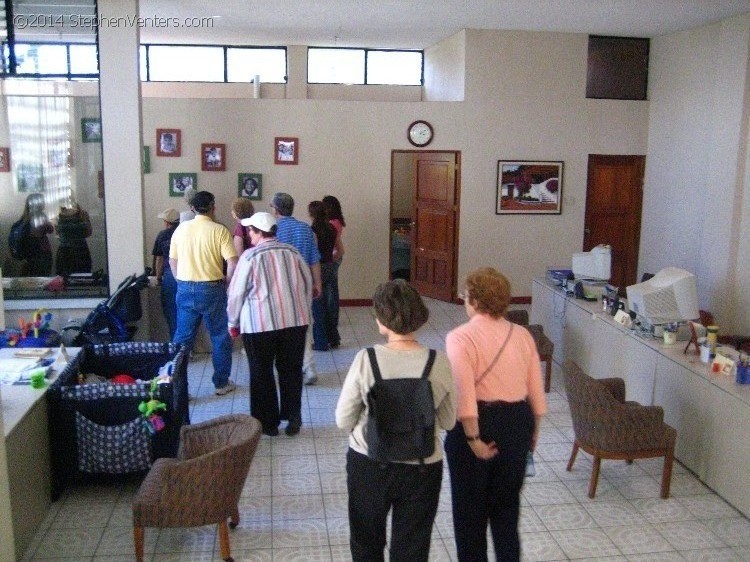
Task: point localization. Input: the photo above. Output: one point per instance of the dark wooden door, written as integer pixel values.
(614, 198)
(435, 215)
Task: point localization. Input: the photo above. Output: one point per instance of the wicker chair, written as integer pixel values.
(607, 427)
(544, 345)
(203, 485)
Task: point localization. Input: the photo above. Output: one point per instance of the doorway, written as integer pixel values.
(425, 188)
(614, 197)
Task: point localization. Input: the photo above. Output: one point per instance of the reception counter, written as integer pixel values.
(710, 412)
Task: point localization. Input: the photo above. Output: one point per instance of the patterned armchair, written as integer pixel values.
(544, 346)
(203, 484)
(608, 427)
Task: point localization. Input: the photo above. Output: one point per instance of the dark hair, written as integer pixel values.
(333, 209)
(488, 291)
(203, 202)
(399, 307)
(317, 211)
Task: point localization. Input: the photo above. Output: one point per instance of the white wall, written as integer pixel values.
(695, 209)
(445, 69)
(525, 99)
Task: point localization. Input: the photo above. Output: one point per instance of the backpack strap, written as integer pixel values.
(428, 366)
(374, 364)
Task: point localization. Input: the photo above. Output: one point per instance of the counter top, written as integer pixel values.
(689, 360)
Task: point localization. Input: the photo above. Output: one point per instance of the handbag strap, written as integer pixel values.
(497, 356)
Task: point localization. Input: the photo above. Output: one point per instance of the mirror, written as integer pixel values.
(51, 184)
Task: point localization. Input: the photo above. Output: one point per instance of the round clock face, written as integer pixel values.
(420, 133)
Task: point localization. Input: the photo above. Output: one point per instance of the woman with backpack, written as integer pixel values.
(376, 481)
(500, 404)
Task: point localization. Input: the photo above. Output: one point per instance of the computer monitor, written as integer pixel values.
(596, 264)
(669, 296)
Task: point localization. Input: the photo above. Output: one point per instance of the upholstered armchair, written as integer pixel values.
(544, 346)
(203, 484)
(608, 427)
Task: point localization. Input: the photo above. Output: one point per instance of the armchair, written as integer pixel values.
(544, 346)
(203, 484)
(608, 427)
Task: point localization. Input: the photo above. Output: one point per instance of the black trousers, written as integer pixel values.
(285, 348)
(485, 491)
(374, 488)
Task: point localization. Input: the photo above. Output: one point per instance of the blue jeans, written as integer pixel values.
(324, 331)
(207, 301)
(169, 300)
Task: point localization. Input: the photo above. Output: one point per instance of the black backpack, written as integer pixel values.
(401, 420)
(19, 240)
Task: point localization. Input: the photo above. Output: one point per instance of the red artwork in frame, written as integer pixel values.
(213, 157)
(286, 150)
(168, 142)
(5, 159)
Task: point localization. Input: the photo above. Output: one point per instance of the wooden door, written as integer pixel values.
(435, 215)
(613, 212)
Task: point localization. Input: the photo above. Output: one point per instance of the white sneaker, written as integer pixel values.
(226, 389)
(309, 377)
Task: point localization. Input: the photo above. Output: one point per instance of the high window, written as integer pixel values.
(364, 66)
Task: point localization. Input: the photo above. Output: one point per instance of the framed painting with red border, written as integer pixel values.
(213, 157)
(5, 159)
(168, 142)
(286, 150)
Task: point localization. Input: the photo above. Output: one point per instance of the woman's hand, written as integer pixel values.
(482, 450)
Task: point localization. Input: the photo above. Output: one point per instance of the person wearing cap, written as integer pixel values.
(300, 235)
(269, 303)
(163, 272)
(196, 255)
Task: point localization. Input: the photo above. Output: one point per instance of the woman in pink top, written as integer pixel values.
(500, 403)
(335, 216)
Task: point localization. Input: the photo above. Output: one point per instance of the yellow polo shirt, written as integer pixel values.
(200, 247)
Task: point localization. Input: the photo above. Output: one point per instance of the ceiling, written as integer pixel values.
(417, 24)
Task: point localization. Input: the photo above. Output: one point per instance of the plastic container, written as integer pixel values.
(712, 336)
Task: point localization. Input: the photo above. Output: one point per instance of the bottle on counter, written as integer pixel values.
(712, 337)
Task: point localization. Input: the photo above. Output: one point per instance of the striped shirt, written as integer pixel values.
(300, 235)
(271, 289)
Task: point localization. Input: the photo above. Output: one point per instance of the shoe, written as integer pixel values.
(226, 389)
(293, 428)
(319, 348)
(270, 431)
(334, 344)
(310, 381)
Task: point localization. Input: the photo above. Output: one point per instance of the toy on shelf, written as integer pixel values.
(35, 333)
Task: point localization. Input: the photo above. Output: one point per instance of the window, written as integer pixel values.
(364, 66)
(243, 63)
(617, 68)
(176, 63)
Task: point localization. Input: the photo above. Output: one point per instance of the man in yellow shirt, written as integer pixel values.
(196, 255)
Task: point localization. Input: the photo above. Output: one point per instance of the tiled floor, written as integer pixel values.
(294, 503)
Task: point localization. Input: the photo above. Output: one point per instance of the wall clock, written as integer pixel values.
(420, 133)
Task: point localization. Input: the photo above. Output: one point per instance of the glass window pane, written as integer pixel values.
(142, 62)
(335, 66)
(394, 67)
(83, 59)
(186, 64)
(41, 59)
(244, 64)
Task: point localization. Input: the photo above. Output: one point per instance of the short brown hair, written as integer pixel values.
(243, 208)
(488, 291)
(399, 307)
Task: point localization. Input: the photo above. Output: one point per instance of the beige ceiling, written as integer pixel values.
(420, 23)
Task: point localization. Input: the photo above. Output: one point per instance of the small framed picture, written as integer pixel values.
(30, 178)
(91, 129)
(250, 186)
(529, 187)
(146, 159)
(180, 181)
(5, 159)
(213, 157)
(168, 142)
(286, 150)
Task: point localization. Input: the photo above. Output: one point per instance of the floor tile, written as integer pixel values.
(585, 543)
(688, 535)
(637, 539)
(540, 546)
(564, 516)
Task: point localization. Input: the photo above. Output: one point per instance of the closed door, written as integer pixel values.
(435, 214)
(614, 198)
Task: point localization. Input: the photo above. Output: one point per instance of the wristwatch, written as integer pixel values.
(471, 438)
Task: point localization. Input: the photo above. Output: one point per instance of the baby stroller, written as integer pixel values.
(110, 321)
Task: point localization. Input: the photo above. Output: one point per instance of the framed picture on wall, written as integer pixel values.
(91, 129)
(213, 157)
(529, 187)
(286, 150)
(180, 181)
(250, 186)
(5, 159)
(168, 142)
(30, 178)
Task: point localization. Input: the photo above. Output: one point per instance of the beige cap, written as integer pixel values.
(169, 215)
(261, 220)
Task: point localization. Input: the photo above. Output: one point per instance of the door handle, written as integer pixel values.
(421, 249)
(587, 231)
